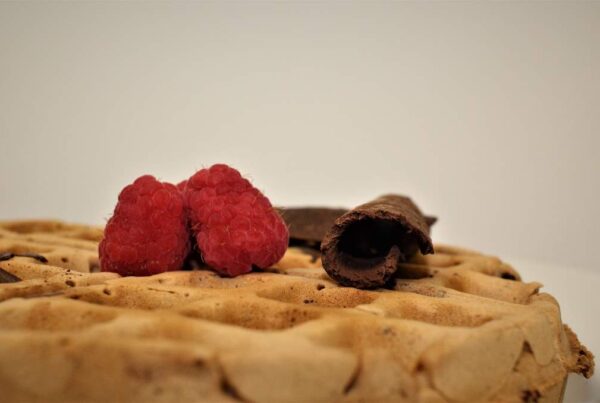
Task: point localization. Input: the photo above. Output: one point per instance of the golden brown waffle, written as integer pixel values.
(462, 328)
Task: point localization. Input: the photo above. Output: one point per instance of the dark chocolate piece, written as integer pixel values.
(430, 220)
(6, 277)
(365, 245)
(10, 255)
(308, 225)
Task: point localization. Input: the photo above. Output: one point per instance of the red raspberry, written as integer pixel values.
(148, 232)
(235, 226)
(181, 185)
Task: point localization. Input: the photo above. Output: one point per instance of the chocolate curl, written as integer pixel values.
(365, 245)
(309, 225)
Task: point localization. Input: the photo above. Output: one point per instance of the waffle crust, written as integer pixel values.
(456, 326)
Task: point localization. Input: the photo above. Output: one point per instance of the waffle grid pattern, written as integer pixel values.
(457, 326)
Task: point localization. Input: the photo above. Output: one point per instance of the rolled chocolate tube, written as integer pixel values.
(365, 245)
(309, 225)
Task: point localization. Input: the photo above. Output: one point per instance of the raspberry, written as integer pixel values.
(234, 225)
(181, 185)
(148, 232)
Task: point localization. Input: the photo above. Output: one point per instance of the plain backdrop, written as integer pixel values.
(486, 114)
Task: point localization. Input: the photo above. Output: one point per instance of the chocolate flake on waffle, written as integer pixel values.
(6, 277)
(457, 327)
(8, 255)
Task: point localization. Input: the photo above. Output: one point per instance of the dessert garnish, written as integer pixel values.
(147, 233)
(10, 255)
(233, 224)
(364, 246)
(308, 225)
(216, 213)
(6, 277)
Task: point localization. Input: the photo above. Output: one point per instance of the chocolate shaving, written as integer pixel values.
(10, 255)
(309, 225)
(6, 277)
(430, 220)
(365, 245)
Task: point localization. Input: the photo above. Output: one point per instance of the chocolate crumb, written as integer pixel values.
(10, 255)
(6, 277)
(228, 389)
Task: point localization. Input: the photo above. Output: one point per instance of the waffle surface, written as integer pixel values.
(457, 327)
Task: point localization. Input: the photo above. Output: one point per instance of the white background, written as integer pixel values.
(487, 114)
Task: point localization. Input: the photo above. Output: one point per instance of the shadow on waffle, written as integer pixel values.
(456, 326)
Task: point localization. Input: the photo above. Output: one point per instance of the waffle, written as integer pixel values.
(457, 326)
